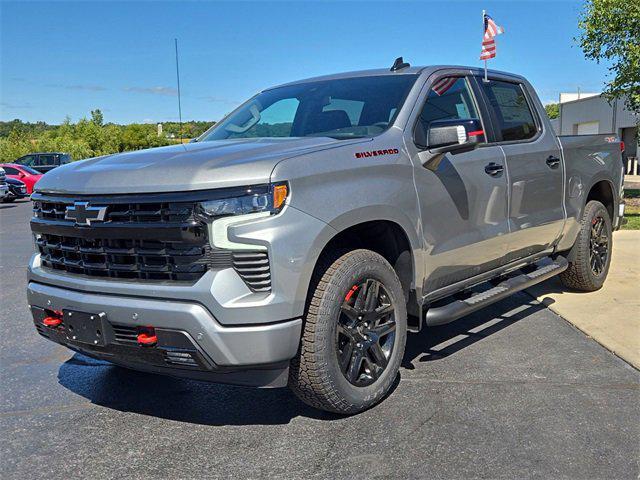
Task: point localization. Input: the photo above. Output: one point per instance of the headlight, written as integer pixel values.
(265, 198)
(253, 203)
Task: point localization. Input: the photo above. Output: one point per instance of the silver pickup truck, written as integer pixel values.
(299, 239)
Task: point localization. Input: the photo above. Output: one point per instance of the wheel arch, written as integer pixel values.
(603, 191)
(383, 235)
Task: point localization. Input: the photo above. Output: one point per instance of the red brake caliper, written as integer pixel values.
(350, 293)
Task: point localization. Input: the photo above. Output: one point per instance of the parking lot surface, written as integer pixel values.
(512, 391)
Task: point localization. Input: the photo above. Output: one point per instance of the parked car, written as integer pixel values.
(44, 162)
(394, 199)
(17, 190)
(23, 173)
(4, 188)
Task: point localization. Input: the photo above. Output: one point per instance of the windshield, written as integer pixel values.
(343, 108)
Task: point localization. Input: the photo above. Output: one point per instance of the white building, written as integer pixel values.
(594, 114)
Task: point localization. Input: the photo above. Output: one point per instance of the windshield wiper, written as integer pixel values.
(337, 136)
(346, 137)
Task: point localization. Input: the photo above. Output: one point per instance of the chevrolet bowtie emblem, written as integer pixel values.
(83, 214)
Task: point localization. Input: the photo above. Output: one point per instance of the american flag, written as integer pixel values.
(491, 30)
(444, 84)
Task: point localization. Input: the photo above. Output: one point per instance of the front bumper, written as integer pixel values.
(293, 240)
(255, 355)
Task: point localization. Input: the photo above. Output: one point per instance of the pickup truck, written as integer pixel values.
(298, 240)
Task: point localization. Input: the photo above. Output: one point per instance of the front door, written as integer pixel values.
(534, 169)
(463, 203)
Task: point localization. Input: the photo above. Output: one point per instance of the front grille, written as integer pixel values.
(137, 239)
(141, 237)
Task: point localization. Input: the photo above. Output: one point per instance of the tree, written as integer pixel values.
(611, 33)
(553, 110)
(97, 117)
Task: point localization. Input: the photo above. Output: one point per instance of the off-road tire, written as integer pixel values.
(579, 275)
(314, 374)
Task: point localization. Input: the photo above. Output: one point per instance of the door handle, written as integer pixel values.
(552, 161)
(494, 169)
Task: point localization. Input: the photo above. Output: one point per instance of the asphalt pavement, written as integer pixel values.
(510, 392)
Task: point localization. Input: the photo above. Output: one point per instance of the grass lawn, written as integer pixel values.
(631, 210)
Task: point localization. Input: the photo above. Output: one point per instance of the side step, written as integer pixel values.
(459, 308)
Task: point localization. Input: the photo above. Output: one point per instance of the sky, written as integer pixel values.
(61, 59)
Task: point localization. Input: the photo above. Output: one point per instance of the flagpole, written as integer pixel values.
(485, 60)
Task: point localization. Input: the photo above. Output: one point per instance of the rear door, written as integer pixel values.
(463, 203)
(533, 164)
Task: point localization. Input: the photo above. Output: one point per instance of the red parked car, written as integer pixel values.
(23, 173)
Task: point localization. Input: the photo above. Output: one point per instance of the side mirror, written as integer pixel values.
(21, 175)
(454, 136)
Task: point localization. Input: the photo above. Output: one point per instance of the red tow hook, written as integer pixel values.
(52, 321)
(147, 336)
(54, 318)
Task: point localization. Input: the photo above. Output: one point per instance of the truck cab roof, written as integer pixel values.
(412, 70)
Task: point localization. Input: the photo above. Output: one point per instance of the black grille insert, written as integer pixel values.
(117, 258)
(254, 269)
(181, 358)
(125, 334)
(160, 212)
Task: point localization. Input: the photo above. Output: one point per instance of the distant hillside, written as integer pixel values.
(90, 137)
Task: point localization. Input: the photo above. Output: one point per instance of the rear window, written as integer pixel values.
(509, 103)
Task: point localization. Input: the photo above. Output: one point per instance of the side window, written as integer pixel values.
(449, 98)
(508, 101)
(28, 160)
(11, 171)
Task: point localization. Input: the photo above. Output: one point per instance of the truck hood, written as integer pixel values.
(192, 166)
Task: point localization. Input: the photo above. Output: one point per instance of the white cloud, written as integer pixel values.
(168, 91)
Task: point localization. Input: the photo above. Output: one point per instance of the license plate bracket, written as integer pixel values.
(83, 327)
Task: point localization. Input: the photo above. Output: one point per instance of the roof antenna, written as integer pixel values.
(399, 64)
(178, 77)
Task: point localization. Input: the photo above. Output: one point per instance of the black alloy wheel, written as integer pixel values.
(590, 255)
(599, 245)
(354, 333)
(365, 332)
